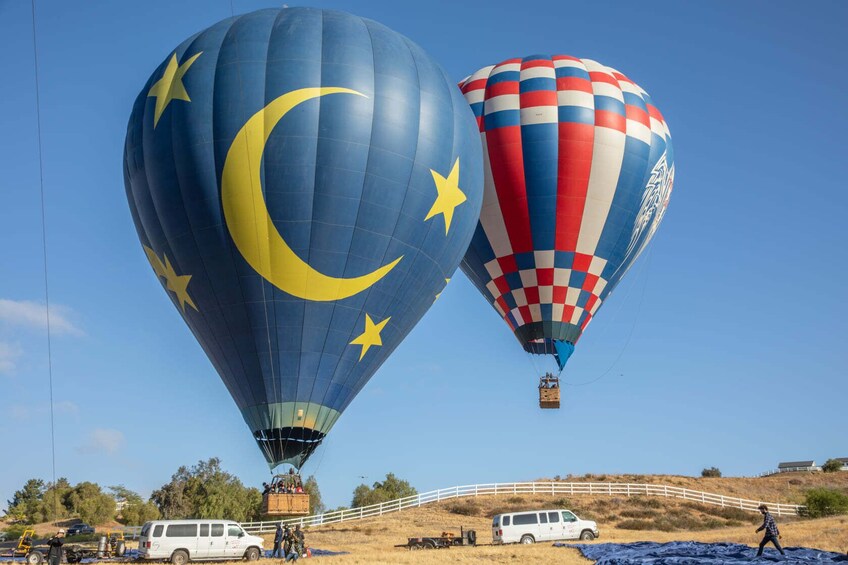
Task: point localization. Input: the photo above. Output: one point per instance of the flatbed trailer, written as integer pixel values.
(444, 541)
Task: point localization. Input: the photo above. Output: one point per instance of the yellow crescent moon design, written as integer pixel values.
(250, 225)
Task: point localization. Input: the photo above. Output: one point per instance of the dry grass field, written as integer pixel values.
(620, 519)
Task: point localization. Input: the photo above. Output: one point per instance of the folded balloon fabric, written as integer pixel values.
(695, 553)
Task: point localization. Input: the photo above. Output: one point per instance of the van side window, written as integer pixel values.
(543, 518)
(204, 530)
(553, 517)
(157, 531)
(217, 530)
(525, 519)
(505, 520)
(568, 517)
(233, 531)
(181, 531)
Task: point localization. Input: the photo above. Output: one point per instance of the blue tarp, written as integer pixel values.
(694, 553)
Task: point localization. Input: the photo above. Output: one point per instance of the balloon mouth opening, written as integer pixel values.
(292, 445)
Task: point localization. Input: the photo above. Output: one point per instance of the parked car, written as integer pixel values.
(181, 541)
(79, 529)
(541, 525)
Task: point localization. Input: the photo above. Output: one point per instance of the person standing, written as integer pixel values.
(56, 552)
(772, 533)
(278, 539)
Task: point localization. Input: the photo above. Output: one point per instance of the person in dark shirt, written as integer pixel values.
(772, 533)
(278, 539)
(55, 554)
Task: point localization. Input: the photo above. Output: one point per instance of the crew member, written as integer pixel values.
(56, 552)
(278, 539)
(772, 533)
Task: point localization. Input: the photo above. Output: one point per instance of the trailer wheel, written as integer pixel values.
(415, 546)
(429, 544)
(34, 557)
(179, 557)
(120, 549)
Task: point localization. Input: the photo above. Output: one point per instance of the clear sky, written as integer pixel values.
(725, 345)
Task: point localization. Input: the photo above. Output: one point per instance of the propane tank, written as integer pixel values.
(101, 547)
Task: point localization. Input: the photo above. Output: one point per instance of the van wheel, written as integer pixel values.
(179, 557)
(251, 554)
(527, 538)
(587, 535)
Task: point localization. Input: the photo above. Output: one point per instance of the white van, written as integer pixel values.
(181, 541)
(541, 525)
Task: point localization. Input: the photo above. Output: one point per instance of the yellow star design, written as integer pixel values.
(178, 284)
(170, 86)
(438, 295)
(449, 195)
(371, 335)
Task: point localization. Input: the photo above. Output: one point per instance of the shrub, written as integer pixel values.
(712, 472)
(637, 513)
(465, 508)
(832, 465)
(636, 525)
(825, 502)
(646, 502)
(515, 500)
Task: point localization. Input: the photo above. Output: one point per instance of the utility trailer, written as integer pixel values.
(444, 541)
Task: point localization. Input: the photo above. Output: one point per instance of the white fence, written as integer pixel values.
(550, 488)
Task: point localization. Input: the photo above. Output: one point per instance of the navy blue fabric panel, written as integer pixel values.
(347, 181)
(540, 147)
(686, 552)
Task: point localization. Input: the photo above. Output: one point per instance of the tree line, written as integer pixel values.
(203, 490)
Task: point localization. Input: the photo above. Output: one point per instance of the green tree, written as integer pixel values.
(207, 491)
(122, 494)
(316, 505)
(54, 504)
(389, 489)
(137, 513)
(26, 502)
(825, 502)
(712, 472)
(88, 501)
(832, 465)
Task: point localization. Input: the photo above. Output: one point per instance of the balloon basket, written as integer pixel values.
(549, 392)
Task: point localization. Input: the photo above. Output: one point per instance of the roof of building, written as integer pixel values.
(843, 460)
(788, 464)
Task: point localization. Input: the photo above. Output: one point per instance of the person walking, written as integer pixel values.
(772, 533)
(56, 551)
(278, 539)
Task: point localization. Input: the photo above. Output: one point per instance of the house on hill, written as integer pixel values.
(844, 461)
(794, 466)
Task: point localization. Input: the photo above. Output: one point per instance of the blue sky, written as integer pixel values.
(724, 346)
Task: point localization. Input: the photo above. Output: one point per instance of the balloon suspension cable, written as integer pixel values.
(44, 250)
(646, 272)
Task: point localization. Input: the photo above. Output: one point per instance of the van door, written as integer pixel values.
(544, 530)
(569, 525)
(217, 542)
(235, 544)
(554, 526)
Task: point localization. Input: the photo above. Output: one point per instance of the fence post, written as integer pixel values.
(628, 489)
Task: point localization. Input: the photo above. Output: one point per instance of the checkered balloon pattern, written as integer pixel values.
(579, 169)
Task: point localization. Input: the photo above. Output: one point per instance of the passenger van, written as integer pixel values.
(181, 541)
(541, 525)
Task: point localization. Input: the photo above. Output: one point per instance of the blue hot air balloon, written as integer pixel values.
(303, 182)
(579, 169)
